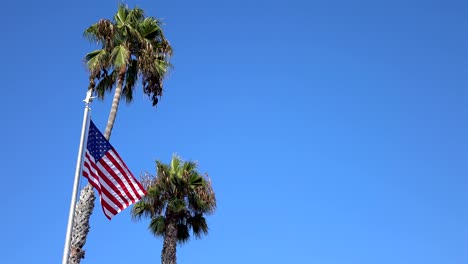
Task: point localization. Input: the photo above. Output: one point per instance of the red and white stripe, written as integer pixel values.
(116, 185)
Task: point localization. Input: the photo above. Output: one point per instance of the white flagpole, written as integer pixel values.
(76, 183)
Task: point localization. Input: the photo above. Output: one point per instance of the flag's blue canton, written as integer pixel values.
(97, 143)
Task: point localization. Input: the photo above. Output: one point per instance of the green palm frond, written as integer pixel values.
(195, 180)
(162, 168)
(153, 191)
(189, 167)
(106, 83)
(178, 182)
(135, 16)
(120, 56)
(127, 21)
(131, 78)
(132, 35)
(91, 32)
(175, 164)
(176, 206)
(161, 67)
(196, 203)
(93, 54)
(121, 16)
(150, 28)
(97, 60)
(155, 199)
(199, 225)
(183, 234)
(157, 226)
(141, 209)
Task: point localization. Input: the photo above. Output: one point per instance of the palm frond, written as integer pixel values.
(150, 28)
(91, 33)
(131, 78)
(102, 32)
(154, 66)
(199, 225)
(106, 83)
(189, 167)
(156, 199)
(141, 209)
(195, 180)
(197, 204)
(121, 15)
(120, 56)
(176, 206)
(203, 199)
(162, 169)
(135, 16)
(152, 79)
(161, 67)
(153, 191)
(175, 164)
(97, 60)
(183, 234)
(157, 226)
(178, 182)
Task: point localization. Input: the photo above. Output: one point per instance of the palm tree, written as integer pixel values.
(132, 47)
(177, 200)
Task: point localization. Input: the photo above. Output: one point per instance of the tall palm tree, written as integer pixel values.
(178, 199)
(132, 46)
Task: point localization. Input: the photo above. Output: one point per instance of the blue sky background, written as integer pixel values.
(334, 131)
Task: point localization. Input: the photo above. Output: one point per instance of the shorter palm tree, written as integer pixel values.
(178, 199)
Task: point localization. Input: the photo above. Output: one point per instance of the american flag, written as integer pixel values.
(107, 172)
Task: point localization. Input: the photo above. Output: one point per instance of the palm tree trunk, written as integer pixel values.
(115, 103)
(83, 211)
(84, 207)
(168, 255)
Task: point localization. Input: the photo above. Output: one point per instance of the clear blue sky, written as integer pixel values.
(335, 132)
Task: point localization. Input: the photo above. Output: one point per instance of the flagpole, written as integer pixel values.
(76, 183)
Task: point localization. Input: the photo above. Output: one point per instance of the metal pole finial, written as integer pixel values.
(89, 97)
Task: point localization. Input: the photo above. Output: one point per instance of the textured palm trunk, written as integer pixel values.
(115, 104)
(168, 255)
(83, 211)
(84, 207)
